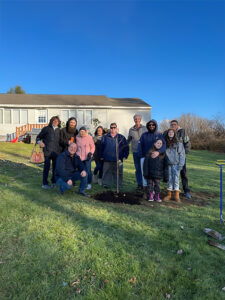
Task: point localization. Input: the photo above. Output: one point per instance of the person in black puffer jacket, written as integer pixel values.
(68, 134)
(48, 139)
(155, 169)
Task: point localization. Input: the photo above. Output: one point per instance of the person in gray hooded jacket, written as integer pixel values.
(134, 135)
(176, 159)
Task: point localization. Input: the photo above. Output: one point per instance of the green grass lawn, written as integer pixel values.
(71, 247)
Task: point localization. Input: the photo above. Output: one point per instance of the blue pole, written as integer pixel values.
(221, 193)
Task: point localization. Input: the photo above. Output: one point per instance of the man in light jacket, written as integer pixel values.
(134, 135)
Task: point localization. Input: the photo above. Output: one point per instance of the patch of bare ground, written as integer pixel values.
(136, 198)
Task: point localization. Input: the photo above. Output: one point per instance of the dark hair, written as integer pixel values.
(113, 124)
(70, 119)
(174, 121)
(96, 131)
(53, 119)
(171, 142)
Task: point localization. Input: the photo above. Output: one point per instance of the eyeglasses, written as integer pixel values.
(112, 127)
(151, 125)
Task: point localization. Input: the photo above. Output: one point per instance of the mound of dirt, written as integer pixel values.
(126, 197)
(136, 198)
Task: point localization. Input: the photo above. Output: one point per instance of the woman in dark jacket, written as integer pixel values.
(97, 178)
(68, 134)
(48, 139)
(155, 169)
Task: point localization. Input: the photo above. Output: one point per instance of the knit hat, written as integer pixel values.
(83, 128)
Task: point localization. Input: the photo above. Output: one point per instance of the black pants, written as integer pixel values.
(52, 157)
(184, 179)
(153, 185)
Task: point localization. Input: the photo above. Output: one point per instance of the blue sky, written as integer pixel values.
(171, 54)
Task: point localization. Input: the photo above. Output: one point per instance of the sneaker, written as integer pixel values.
(105, 186)
(46, 186)
(89, 186)
(100, 181)
(157, 198)
(151, 197)
(187, 195)
(84, 194)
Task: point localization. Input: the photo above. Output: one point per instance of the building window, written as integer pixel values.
(41, 116)
(7, 116)
(16, 116)
(23, 116)
(88, 117)
(66, 114)
(1, 116)
(80, 118)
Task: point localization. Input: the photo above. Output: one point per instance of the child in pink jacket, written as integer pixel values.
(85, 149)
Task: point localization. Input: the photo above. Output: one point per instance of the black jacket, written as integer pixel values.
(65, 137)
(156, 167)
(50, 138)
(67, 165)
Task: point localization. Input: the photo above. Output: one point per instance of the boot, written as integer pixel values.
(169, 196)
(95, 179)
(177, 196)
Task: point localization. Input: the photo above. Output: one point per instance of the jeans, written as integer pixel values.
(52, 157)
(99, 168)
(143, 179)
(76, 176)
(137, 165)
(174, 176)
(87, 164)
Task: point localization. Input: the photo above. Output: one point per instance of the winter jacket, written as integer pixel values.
(85, 145)
(147, 140)
(97, 141)
(65, 137)
(134, 136)
(156, 167)
(176, 155)
(183, 138)
(108, 147)
(67, 165)
(50, 138)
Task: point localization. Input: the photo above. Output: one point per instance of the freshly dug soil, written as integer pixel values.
(136, 198)
(126, 197)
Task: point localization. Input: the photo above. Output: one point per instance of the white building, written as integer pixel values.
(17, 110)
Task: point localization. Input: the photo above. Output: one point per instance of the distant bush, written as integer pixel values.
(204, 134)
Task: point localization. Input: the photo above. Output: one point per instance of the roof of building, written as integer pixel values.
(76, 100)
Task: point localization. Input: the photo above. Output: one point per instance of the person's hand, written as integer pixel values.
(83, 174)
(69, 182)
(155, 154)
(69, 142)
(42, 145)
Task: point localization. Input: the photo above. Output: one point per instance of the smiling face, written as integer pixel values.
(137, 121)
(174, 125)
(72, 148)
(158, 144)
(55, 122)
(83, 133)
(171, 134)
(100, 131)
(72, 124)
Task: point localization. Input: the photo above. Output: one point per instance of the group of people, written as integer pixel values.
(156, 157)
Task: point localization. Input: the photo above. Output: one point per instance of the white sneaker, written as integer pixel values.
(88, 186)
